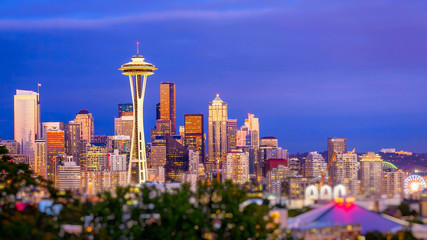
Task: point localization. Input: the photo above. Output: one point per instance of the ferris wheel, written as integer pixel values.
(414, 184)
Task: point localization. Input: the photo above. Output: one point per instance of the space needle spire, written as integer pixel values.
(138, 70)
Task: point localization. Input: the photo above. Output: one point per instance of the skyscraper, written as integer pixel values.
(87, 127)
(338, 145)
(217, 131)
(194, 133)
(253, 125)
(27, 122)
(344, 171)
(40, 166)
(370, 174)
(51, 126)
(138, 70)
(236, 167)
(73, 142)
(315, 166)
(176, 160)
(55, 146)
(168, 104)
(232, 134)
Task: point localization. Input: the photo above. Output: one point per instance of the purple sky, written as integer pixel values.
(308, 69)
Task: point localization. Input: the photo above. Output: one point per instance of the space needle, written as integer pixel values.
(138, 70)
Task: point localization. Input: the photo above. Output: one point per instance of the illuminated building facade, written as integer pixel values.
(87, 127)
(123, 125)
(194, 133)
(168, 104)
(344, 171)
(27, 122)
(117, 161)
(40, 166)
(315, 166)
(162, 128)
(51, 126)
(68, 176)
(338, 145)
(217, 132)
(55, 146)
(296, 186)
(232, 134)
(95, 157)
(275, 178)
(371, 174)
(269, 141)
(138, 70)
(236, 167)
(176, 160)
(73, 144)
(157, 156)
(393, 183)
(12, 146)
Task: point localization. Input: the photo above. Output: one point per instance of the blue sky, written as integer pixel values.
(308, 69)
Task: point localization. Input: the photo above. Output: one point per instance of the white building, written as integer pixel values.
(190, 178)
(370, 174)
(275, 178)
(344, 171)
(193, 160)
(236, 167)
(315, 165)
(27, 122)
(116, 161)
(68, 176)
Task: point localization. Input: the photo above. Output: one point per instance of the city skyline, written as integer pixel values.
(377, 94)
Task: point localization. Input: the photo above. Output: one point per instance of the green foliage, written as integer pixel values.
(401, 235)
(211, 212)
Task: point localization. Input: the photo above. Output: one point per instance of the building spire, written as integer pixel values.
(137, 48)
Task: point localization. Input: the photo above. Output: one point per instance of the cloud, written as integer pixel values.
(89, 23)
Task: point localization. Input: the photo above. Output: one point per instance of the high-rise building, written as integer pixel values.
(294, 165)
(121, 143)
(252, 123)
(40, 166)
(73, 144)
(217, 132)
(138, 70)
(194, 160)
(269, 141)
(243, 137)
(51, 126)
(12, 146)
(393, 183)
(296, 186)
(315, 166)
(275, 178)
(116, 161)
(87, 127)
(158, 156)
(123, 126)
(168, 104)
(338, 145)
(162, 129)
(55, 147)
(125, 109)
(370, 174)
(194, 133)
(68, 176)
(343, 170)
(27, 122)
(95, 157)
(236, 167)
(232, 134)
(176, 160)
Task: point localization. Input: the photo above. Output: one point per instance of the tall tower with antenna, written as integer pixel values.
(138, 70)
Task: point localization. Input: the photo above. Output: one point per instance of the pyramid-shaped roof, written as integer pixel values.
(217, 99)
